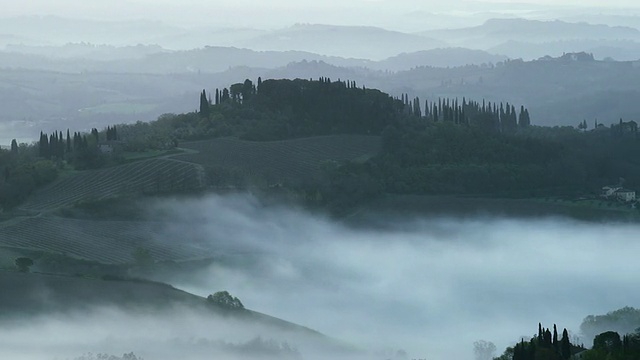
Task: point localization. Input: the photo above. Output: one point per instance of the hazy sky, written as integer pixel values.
(389, 13)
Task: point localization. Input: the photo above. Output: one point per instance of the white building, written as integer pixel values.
(618, 193)
(625, 195)
(608, 191)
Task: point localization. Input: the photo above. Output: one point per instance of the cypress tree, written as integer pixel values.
(68, 141)
(204, 104)
(61, 147)
(14, 146)
(52, 146)
(565, 345)
(540, 334)
(547, 338)
(416, 107)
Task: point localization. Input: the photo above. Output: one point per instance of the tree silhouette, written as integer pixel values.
(204, 104)
(484, 350)
(23, 264)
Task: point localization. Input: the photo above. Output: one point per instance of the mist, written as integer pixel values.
(430, 286)
(176, 333)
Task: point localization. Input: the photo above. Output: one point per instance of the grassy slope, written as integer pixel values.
(31, 293)
(277, 161)
(105, 241)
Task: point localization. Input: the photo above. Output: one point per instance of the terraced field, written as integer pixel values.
(109, 242)
(287, 160)
(149, 176)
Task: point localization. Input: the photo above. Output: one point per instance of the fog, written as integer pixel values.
(402, 15)
(177, 333)
(430, 286)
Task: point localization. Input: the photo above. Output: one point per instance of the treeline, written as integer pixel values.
(296, 108)
(82, 151)
(544, 346)
(22, 170)
(285, 109)
(486, 116)
(25, 167)
(299, 108)
(443, 158)
(608, 345)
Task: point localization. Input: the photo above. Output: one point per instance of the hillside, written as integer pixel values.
(496, 31)
(152, 176)
(80, 215)
(290, 161)
(104, 241)
(441, 58)
(347, 41)
(42, 303)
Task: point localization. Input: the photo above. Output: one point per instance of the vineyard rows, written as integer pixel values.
(287, 160)
(109, 242)
(148, 176)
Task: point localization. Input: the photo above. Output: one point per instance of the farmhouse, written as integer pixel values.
(618, 193)
(625, 195)
(107, 147)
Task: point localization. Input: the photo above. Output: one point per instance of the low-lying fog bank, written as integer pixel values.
(430, 286)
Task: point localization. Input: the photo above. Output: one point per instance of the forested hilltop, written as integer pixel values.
(430, 146)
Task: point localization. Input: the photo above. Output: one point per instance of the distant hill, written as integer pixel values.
(446, 57)
(86, 51)
(621, 50)
(346, 41)
(54, 30)
(215, 59)
(496, 31)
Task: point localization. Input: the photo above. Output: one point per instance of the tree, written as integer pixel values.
(608, 341)
(204, 104)
(484, 350)
(14, 146)
(68, 142)
(565, 345)
(23, 264)
(225, 300)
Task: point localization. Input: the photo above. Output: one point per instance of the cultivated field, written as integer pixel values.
(149, 176)
(281, 161)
